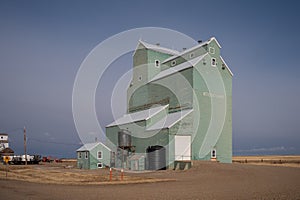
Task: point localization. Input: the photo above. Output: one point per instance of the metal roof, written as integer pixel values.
(138, 116)
(170, 120)
(159, 48)
(90, 146)
(191, 49)
(175, 54)
(177, 68)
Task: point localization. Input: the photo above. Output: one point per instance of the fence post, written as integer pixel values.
(122, 174)
(110, 174)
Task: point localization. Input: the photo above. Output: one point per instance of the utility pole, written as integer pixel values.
(25, 146)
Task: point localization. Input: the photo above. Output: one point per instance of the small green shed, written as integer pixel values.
(93, 156)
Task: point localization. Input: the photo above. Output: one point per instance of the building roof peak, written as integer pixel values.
(157, 47)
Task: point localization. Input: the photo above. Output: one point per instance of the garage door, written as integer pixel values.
(182, 147)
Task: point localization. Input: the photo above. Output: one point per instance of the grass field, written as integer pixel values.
(66, 172)
(274, 160)
(60, 173)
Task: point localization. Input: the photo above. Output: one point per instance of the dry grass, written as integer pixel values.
(58, 174)
(66, 172)
(286, 161)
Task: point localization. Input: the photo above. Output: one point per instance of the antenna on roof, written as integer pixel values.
(183, 48)
(199, 41)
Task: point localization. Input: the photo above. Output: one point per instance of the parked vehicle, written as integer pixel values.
(48, 159)
(20, 160)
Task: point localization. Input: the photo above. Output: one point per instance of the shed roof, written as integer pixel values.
(90, 146)
(177, 68)
(170, 120)
(138, 116)
(7, 150)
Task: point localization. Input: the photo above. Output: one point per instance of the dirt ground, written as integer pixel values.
(206, 180)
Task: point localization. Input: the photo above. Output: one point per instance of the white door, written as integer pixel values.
(182, 147)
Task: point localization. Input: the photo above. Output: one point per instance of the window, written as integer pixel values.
(157, 63)
(99, 155)
(192, 55)
(223, 66)
(213, 153)
(86, 155)
(79, 155)
(140, 78)
(213, 62)
(211, 50)
(173, 63)
(100, 165)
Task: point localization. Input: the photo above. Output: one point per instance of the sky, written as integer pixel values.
(43, 44)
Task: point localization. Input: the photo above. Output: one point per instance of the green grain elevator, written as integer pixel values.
(179, 104)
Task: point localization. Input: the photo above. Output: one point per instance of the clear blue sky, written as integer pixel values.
(43, 43)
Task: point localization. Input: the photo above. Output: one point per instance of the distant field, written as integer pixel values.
(276, 160)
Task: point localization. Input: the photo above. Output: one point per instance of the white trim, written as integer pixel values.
(87, 147)
(157, 48)
(191, 49)
(226, 65)
(105, 146)
(90, 146)
(100, 154)
(215, 153)
(173, 63)
(158, 65)
(179, 67)
(79, 156)
(184, 52)
(86, 155)
(213, 62)
(181, 117)
(213, 38)
(136, 48)
(99, 163)
(169, 120)
(138, 116)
